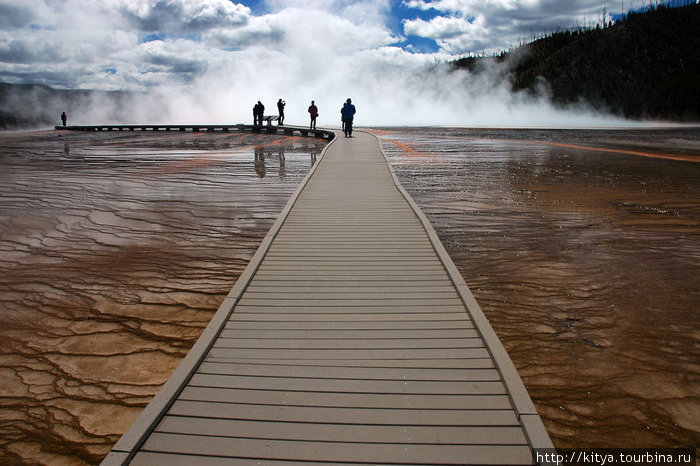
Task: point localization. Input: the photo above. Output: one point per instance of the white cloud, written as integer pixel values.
(294, 28)
(464, 26)
(442, 27)
(179, 15)
(457, 6)
(454, 35)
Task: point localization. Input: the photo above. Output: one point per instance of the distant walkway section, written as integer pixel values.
(269, 129)
(350, 338)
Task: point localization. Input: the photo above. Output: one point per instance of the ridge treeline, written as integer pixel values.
(646, 65)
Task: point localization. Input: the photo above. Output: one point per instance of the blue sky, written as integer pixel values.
(398, 12)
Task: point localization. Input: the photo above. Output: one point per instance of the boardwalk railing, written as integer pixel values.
(350, 338)
(269, 129)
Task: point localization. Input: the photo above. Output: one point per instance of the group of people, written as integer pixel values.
(347, 114)
(259, 112)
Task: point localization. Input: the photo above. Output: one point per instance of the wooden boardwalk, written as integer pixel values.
(350, 338)
(240, 128)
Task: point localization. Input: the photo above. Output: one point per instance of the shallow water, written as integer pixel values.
(583, 250)
(115, 250)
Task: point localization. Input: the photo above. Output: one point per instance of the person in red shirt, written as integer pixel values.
(313, 112)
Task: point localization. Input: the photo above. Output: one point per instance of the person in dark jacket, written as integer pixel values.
(258, 111)
(313, 113)
(64, 118)
(348, 114)
(280, 108)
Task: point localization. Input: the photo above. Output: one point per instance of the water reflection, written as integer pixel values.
(115, 250)
(263, 153)
(586, 263)
(260, 162)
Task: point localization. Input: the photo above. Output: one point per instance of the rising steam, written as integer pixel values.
(299, 51)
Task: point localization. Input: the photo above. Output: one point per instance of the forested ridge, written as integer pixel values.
(644, 66)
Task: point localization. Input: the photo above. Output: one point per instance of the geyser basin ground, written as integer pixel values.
(117, 247)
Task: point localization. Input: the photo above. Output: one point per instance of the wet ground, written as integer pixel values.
(583, 249)
(115, 251)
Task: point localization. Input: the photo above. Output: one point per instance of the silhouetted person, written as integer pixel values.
(348, 113)
(64, 118)
(313, 113)
(280, 108)
(258, 111)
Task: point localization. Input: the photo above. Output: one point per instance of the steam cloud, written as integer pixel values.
(210, 61)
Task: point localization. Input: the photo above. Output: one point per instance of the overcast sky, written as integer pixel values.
(267, 47)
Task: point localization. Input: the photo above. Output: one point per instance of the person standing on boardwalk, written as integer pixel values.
(258, 111)
(64, 118)
(280, 108)
(313, 113)
(347, 113)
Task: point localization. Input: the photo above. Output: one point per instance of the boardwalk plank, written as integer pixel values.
(382, 373)
(444, 435)
(362, 306)
(344, 333)
(354, 275)
(340, 400)
(302, 284)
(415, 363)
(339, 452)
(345, 415)
(397, 298)
(366, 286)
(147, 458)
(350, 344)
(355, 326)
(440, 353)
(348, 386)
(248, 315)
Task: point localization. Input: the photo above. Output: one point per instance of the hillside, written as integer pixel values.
(645, 66)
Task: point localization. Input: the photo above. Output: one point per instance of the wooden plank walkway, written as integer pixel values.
(350, 338)
(269, 129)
